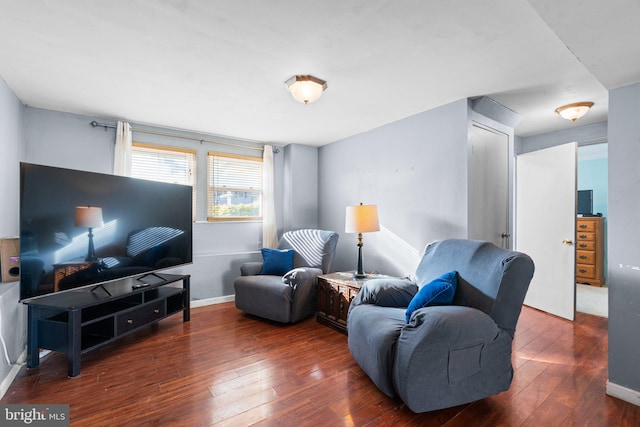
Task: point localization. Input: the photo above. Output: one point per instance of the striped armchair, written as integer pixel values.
(291, 297)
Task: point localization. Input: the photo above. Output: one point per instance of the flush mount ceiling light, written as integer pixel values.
(306, 89)
(574, 111)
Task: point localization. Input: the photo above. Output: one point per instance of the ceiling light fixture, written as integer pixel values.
(306, 89)
(574, 111)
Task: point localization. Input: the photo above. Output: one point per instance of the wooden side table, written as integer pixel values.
(334, 294)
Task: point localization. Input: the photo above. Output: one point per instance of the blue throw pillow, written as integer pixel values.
(439, 291)
(276, 262)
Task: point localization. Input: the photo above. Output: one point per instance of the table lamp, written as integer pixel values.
(89, 217)
(361, 219)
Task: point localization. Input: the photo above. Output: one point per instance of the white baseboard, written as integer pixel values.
(6, 382)
(623, 393)
(211, 301)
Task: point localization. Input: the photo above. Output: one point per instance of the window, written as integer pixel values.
(234, 187)
(164, 164)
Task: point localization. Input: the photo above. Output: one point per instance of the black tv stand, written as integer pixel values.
(80, 320)
(101, 286)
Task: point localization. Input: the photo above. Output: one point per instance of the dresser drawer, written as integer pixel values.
(140, 316)
(586, 271)
(586, 246)
(585, 257)
(586, 226)
(583, 235)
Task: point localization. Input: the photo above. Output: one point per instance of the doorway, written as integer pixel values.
(593, 177)
(546, 225)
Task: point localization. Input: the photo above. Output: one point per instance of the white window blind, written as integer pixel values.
(234, 187)
(164, 164)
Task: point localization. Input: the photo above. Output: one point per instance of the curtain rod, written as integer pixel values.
(173, 135)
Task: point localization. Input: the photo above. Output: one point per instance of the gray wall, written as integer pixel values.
(67, 141)
(415, 171)
(11, 143)
(12, 314)
(589, 134)
(300, 187)
(624, 248)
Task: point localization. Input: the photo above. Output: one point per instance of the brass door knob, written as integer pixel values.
(567, 242)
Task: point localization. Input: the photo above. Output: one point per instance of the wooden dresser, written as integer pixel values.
(590, 251)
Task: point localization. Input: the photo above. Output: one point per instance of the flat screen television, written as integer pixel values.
(585, 202)
(81, 228)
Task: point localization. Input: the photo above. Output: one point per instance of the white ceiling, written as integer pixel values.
(218, 66)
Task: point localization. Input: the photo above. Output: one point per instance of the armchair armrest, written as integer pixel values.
(448, 325)
(458, 351)
(252, 268)
(385, 293)
(302, 276)
(303, 282)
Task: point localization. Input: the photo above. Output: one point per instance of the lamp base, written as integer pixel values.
(359, 274)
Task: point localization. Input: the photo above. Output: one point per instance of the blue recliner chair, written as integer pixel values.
(444, 355)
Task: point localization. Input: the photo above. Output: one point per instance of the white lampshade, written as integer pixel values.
(574, 111)
(88, 217)
(306, 89)
(361, 219)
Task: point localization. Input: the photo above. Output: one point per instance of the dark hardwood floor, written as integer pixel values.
(227, 368)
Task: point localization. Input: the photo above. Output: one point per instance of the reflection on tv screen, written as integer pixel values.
(80, 228)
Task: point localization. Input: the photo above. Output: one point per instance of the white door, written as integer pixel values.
(489, 186)
(546, 225)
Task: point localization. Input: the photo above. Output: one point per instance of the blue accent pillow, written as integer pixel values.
(439, 291)
(276, 262)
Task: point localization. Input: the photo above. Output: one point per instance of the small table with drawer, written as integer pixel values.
(334, 294)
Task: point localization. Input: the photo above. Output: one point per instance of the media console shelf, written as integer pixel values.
(80, 320)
